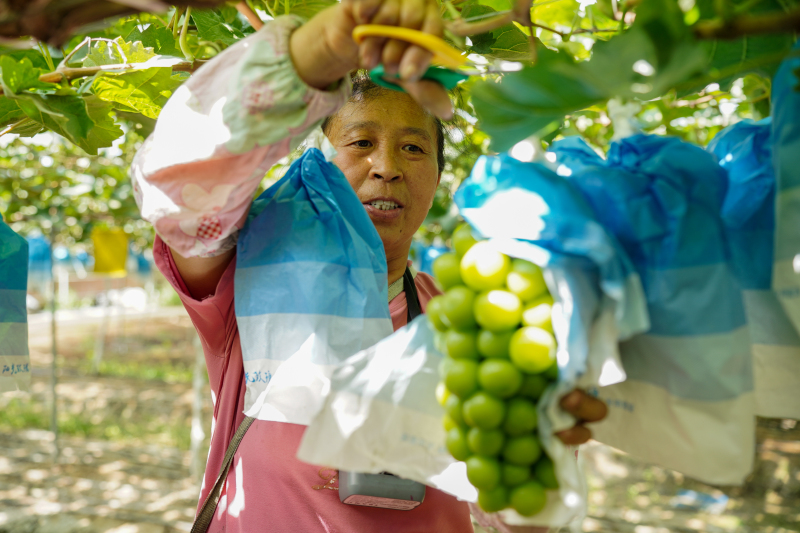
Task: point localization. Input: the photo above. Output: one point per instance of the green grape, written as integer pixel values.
(447, 270)
(533, 386)
(457, 307)
(435, 313)
(532, 349)
(545, 473)
(521, 417)
(525, 280)
(484, 411)
(528, 499)
(462, 344)
(456, 443)
(486, 442)
(515, 474)
(522, 451)
(453, 407)
(461, 376)
(552, 372)
(494, 343)
(493, 500)
(483, 268)
(483, 472)
(463, 239)
(498, 310)
(538, 313)
(499, 377)
(448, 423)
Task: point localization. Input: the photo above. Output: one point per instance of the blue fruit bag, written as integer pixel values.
(744, 150)
(784, 367)
(310, 289)
(15, 371)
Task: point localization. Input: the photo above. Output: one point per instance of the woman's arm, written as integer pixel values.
(195, 177)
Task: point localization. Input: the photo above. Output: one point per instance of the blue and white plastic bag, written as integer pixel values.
(785, 366)
(688, 401)
(15, 369)
(382, 415)
(310, 289)
(744, 150)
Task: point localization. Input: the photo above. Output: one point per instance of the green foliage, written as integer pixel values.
(645, 54)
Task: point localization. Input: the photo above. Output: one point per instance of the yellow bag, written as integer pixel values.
(110, 251)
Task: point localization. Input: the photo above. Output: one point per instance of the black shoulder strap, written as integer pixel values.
(412, 298)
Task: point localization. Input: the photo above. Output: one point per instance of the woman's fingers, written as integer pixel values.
(575, 435)
(583, 406)
(430, 95)
(416, 60)
(412, 16)
(388, 13)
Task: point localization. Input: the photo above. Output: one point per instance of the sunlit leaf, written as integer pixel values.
(144, 91)
(117, 52)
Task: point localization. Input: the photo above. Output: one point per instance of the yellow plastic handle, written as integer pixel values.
(443, 54)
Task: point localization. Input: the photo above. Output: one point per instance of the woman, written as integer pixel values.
(194, 180)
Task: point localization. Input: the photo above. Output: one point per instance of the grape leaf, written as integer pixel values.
(65, 115)
(507, 42)
(105, 53)
(104, 131)
(20, 75)
(159, 39)
(212, 27)
(9, 112)
(528, 101)
(555, 13)
(144, 91)
(34, 56)
(761, 54)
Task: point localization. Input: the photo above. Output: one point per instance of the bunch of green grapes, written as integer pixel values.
(494, 325)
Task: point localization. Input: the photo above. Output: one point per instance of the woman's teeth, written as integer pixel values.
(384, 205)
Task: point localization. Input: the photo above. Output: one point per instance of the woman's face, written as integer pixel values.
(387, 149)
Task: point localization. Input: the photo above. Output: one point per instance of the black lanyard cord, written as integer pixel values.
(412, 297)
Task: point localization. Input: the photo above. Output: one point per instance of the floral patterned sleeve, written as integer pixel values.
(195, 176)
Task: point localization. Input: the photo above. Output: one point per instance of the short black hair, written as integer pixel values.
(364, 89)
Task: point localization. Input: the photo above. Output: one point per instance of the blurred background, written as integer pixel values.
(114, 433)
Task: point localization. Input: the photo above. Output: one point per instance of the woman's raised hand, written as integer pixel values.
(323, 50)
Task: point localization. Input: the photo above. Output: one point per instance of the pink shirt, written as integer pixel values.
(268, 488)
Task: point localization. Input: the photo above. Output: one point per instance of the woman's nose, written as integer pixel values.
(385, 166)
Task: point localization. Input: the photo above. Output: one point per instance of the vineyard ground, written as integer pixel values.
(124, 462)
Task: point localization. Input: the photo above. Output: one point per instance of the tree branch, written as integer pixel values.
(254, 20)
(777, 22)
(81, 72)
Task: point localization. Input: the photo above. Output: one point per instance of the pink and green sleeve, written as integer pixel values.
(194, 178)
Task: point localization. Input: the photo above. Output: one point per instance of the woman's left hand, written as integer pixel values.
(585, 408)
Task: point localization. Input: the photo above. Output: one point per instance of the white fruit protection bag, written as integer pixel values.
(381, 413)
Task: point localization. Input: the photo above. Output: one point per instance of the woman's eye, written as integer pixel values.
(363, 144)
(414, 148)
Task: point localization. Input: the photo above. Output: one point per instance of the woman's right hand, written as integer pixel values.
(323, 49)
